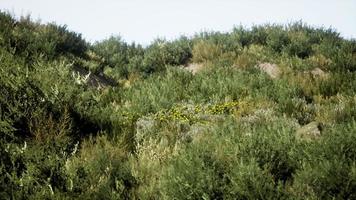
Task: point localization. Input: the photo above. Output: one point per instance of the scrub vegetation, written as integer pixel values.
(270, 114)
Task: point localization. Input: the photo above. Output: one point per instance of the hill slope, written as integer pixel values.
(270, 114)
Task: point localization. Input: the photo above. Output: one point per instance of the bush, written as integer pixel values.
(277, 39)
(331, 174)
(242, 35)
(36, 167)
(299, 45)
(213, 169)
(345, 57)
(163, 53)
(204, 51)
(65, 41)
(6, 22)
(226, 132)
(123, 58)
(252, 56)
(100, 170)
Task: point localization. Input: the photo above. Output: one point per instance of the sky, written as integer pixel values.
(143, 21)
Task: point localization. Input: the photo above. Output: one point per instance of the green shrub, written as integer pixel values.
(100, 170)
(231, 166)
(337, 109)
(162, 53)
(123, 58)
(299, 45)
(65, 41)
(259, 34)
(338, 83)
(331, 172)
(188, 177)
(249, 181)
(226, 132)
(252, 56)
(6, 22)
(277, 39)
(227, 43)
(36, 167)
(113, 50)
(242, 35)
(204, 51)
(345, 57)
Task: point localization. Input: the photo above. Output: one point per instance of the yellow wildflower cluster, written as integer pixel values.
(223, 108)
(186, 113)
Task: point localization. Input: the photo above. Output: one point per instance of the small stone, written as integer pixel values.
(317, 72)
(271, 69)
(194, 67)
(309, 131)
(196, 132)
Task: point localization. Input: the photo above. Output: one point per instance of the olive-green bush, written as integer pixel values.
(149, 129)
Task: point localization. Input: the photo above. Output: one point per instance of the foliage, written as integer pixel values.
(118, 55)
(162, 53)
(205, 51)
(113, 120)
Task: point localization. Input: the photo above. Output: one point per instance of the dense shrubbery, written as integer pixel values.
(162, 53)
(118, 56)
(229, 131)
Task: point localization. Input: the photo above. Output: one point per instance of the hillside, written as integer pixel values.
(262, 113)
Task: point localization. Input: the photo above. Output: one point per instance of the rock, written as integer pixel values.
(196, 132)
(317, 72)
(309, 131)
(194, 67)
(271, 69)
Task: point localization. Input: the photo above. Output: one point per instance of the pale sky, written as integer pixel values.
(144, 20)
